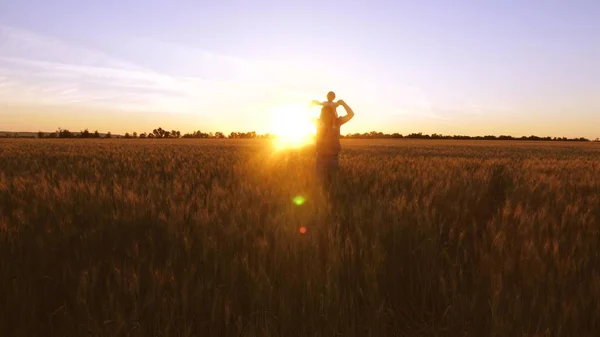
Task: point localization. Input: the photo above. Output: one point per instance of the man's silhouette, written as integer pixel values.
(328, 145)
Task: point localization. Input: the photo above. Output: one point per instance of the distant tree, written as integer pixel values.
(41, 134)
(127, 135)
(151, 135)
(159, 133)
(143, 135)
(85, 134)
(96, 134)
(197, 134)
(135, 135)
(108, 135)
(235, 135)
(415, 135)
(64, 133)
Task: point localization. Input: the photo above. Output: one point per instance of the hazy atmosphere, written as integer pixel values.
(460, 67)
(299, 168)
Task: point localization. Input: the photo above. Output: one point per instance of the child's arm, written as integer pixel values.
(333, 104)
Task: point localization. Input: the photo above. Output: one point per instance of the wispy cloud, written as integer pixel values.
(150, 74)
(143, 74)
(38, 68)
(44, 69)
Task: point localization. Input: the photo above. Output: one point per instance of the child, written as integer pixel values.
(329, 103)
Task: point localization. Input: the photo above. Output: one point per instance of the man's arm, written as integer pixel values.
(349, 113)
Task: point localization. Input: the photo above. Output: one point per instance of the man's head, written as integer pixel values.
(330, 96)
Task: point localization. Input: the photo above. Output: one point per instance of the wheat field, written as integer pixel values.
(202, 238)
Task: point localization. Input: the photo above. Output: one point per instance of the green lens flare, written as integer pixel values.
(299, 200)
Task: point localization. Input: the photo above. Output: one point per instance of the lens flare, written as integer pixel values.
(299, 200)
(302, 230)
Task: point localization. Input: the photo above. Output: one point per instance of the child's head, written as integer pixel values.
(330, 96)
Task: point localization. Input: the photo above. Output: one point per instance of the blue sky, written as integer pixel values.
(453, 67)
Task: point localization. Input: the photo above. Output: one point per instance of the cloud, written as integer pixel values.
(150, 74)
(144, 74)
(43, 69)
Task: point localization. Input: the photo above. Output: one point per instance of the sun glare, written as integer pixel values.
(293, 126)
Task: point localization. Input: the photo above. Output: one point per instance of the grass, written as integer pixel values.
(201, 238)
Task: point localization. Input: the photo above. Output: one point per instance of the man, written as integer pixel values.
(328, 145)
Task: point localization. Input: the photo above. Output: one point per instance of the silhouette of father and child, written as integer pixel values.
(328, 137)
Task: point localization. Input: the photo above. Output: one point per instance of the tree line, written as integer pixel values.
(161, 133)
(158, 133)
(381, 135)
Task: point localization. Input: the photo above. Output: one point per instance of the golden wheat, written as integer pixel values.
(201, 238)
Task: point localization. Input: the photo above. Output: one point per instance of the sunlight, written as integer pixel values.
(293, 125)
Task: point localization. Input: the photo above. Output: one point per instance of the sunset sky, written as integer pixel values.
(453, 67)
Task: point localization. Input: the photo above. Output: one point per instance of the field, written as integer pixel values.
(202, 238)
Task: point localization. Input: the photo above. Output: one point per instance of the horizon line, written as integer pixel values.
(368, 134)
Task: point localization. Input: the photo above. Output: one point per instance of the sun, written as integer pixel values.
(293, 125)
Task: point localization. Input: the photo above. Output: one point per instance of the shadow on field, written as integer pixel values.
(358, 227)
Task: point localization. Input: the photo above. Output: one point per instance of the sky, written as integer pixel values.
(452, 67)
